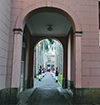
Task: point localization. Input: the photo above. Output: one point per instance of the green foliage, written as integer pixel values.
(45, 43)
(51, 41)
(60, 78)
(37, 76)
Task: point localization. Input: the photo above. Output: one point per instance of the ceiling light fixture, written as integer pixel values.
(49, 28)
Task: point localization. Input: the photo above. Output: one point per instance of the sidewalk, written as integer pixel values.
(46, 92)
(46, 82)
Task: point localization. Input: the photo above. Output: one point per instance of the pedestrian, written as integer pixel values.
(40, 73)
(56, 74)
(52, 70)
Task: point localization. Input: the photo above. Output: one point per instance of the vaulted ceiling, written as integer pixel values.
(39, 23)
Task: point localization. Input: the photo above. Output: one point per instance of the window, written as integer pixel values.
(49, 59)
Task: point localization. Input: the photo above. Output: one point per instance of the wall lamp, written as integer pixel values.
(49, 28)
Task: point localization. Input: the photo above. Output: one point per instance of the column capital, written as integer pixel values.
(78, 33)
(17, 31)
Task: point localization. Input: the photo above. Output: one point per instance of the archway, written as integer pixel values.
(49, 54)
(76, 29)
(63, 9)
(62, 29)
(30, 56)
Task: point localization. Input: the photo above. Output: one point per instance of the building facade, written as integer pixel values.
(49, 61)
(75, 24)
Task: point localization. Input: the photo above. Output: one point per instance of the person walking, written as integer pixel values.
(56, 74)
(40, 73)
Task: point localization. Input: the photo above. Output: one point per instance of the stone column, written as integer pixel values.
(64, 74)
(35, 62)
(30, 65)
(27, 59)
(69, 62)
(78, 62)
(16, 67)
(77, 82)
(72, 62)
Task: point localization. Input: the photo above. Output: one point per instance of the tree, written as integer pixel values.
(42, 48)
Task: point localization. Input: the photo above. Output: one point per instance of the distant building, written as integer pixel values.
(49, 61)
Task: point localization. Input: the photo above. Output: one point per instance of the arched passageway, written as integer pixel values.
(48, 22)
(36, 28)
(48, 54)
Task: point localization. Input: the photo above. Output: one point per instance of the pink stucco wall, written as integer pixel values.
(85, 16)
(5, 21)
(90, 46)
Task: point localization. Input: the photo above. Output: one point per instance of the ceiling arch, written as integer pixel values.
(39, 23)
(62, 8)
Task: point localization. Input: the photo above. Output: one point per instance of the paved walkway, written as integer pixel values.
(46, 92)
(46, 82)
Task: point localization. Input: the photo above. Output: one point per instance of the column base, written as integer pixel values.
(86, 95)
(70, 84)
(64, 83)
(9, 96)
(29, 83)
